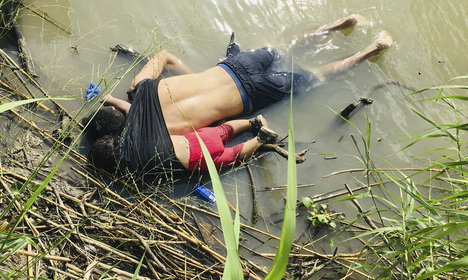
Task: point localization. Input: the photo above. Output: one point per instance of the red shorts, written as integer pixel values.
(214, 138)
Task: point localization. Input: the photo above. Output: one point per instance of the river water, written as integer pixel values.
(429, 49)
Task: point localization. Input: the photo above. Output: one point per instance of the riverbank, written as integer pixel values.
(61, 218)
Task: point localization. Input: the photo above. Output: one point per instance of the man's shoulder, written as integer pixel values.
(146, 85)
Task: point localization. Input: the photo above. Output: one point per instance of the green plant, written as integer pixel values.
(289, 225)
(424, 224)
(319, 214)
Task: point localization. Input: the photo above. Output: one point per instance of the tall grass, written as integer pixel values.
(423, 226)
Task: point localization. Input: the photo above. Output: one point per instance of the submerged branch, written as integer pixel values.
(282, 152)
(383, 169)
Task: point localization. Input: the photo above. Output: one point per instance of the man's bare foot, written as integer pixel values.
(382, 42)
(344, 23)
(339, 25)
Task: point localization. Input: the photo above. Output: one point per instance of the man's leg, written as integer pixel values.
(341, 24)
(383, 42)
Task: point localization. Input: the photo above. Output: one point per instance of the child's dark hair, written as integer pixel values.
(104, 152)
(103, 122)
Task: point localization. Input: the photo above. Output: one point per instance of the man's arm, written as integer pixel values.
(119, 104)
(156, 65)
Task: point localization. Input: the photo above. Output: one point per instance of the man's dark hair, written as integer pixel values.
(104, 152)
(103, 122)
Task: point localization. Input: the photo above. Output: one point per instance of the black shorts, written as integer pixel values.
(263, 85)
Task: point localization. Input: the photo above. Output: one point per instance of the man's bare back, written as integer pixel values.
(213, 88)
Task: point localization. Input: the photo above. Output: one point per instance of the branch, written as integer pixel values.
(282, 152)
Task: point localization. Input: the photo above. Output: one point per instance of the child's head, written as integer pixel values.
(103, 152)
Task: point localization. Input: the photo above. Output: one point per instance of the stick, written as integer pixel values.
(45, 17)
(383, 169)
(144, 243)
(24, 53)
(254, 196)
(284, 187)
(282, 152)
(25, 96)
(120, 272)
(358, 206)
(49, 257)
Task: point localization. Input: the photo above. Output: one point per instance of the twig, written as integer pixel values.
(47, 256)
(358, 206)
(120, 272)
(16, 70)
(89, 270)
(22, 95)
(63, 272)
(282, 152)
(145, 244)
(382, 169)
(334, 194)
(254, 195)
(45, 17)
(29, 258)
(275, 188)
(24, 53)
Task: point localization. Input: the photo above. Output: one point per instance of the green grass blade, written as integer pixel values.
(289, 225)
(459, 78)
(233, 267)
(237, 220)
(10, 105)
(458, 264)
(35, 195)
(4, 276)
(15, 243)
(137, 270)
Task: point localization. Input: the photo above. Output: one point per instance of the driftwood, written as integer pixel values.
(11, 10)
(254, 196)
(23, 50)
(282, 152)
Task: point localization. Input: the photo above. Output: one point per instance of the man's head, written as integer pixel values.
(106, 121)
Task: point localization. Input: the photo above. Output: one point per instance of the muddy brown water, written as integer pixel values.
(71, 49)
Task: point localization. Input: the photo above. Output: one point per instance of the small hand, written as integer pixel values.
(107, 100)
